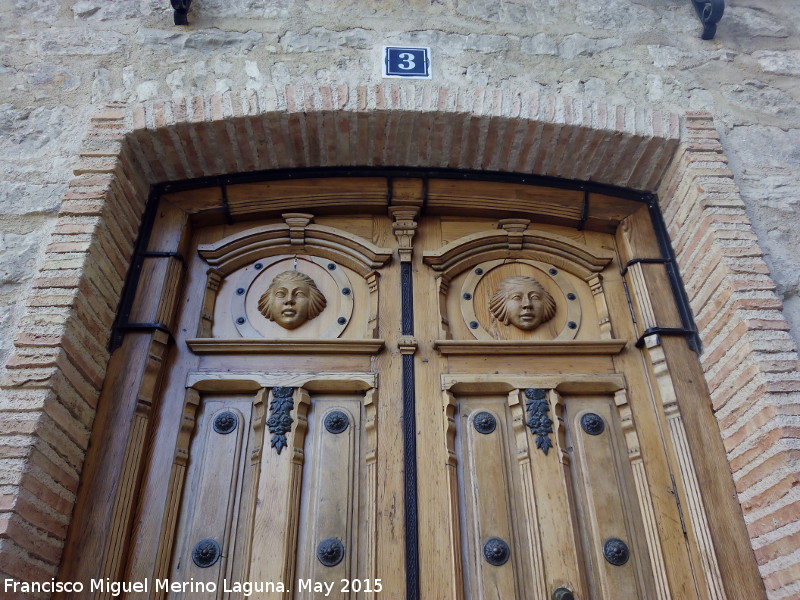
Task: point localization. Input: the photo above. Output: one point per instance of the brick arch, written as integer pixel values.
(403, 127)
(53, 379)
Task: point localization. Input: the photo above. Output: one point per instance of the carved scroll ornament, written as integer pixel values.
(280, 420)
(540, 424)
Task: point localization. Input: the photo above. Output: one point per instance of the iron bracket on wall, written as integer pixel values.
(709, 12)
(181, 8)
(679, 331)
(123, 327)
(644, 261)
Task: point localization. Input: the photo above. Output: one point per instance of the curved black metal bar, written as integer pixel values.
(709, 12)
(181, 8)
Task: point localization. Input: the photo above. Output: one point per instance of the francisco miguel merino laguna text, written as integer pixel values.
(115, 588)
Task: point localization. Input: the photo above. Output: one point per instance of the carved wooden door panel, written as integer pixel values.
(543, 500)
(429, 399)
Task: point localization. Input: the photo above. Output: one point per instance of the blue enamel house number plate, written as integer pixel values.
(406, 62)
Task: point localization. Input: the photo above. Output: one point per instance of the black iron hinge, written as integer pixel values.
(181, 8)
(709, 12)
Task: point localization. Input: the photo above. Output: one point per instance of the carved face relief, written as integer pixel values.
(523, 302)
(291, 299)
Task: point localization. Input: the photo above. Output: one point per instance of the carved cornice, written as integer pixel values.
(543, 347)
(284, 346)
(553, 249)
(296, 234)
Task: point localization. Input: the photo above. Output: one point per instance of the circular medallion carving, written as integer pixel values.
(330, 552)
(336, 421)
(496, 552)
(225, 422)
(484, 423)
(521, 301)
(206, 553)
(593, 424)
(291, 299)
(616, 551)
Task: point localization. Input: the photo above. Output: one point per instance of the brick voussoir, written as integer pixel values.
(779, 548)
(95, 305)
(71, 372)
(786, 460)
(38, 543)
(772, 494)
(752, 400)
(56, 471)
(734, 390)
(19, 564)
(96, 325)
(40, 514)
(53, 435)
(786, 515)
(780, 579)
(65, 394)
(72, 426)
(772, 434)
(89, 368)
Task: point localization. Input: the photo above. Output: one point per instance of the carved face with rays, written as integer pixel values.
(291, 299)
(522, 302)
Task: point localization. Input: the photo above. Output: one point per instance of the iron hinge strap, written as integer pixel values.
(646, 261)
(162, 254)
(146, 327)
(668, 331)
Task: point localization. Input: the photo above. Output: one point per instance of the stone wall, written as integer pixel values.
(62, 60)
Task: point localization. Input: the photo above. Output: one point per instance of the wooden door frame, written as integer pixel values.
(125, 153)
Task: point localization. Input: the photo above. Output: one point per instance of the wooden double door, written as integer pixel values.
(403, 388)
